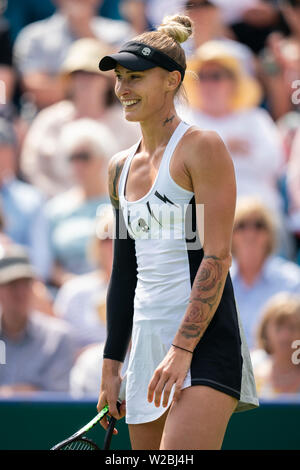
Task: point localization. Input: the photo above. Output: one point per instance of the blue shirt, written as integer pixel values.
(25, 223)
(277, 275)
(72, 226)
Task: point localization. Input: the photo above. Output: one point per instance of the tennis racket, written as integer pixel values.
(78, 440)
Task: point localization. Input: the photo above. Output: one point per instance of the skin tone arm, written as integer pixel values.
(213, 181)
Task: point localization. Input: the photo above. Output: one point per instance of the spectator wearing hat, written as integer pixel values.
(38, 348)
(87, 146)
(41, 47)
(22, 204)
(225, 98)
(257, 271)
(89, 96)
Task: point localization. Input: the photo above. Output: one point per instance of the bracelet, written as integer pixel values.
(179, 347)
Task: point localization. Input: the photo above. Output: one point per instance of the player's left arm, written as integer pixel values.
(212, 174)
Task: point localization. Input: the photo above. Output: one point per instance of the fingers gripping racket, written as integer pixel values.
(78, 441)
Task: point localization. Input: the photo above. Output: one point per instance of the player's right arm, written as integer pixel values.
(119, 301)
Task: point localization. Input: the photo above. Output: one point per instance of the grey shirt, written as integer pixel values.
(42, 356)
(42, 46)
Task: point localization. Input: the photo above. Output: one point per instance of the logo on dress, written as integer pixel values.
(143, 225)
(146, 51)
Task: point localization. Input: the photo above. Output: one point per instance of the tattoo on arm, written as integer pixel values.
(168, 120)
(114, 174)
(204, 299)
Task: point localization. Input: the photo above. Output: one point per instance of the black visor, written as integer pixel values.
(138, 57)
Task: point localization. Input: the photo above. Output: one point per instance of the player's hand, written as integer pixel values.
(109, 393)
(171, 371)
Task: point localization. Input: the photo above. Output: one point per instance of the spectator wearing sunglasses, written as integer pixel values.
(224, 97)
(257, 271)
(87, 145)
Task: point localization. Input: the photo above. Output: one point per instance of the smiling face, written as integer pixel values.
(145, 94)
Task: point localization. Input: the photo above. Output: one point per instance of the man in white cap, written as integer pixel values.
(39, 350)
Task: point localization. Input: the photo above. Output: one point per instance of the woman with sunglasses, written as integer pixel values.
(257, 271)
(226, 98)
(170, 292)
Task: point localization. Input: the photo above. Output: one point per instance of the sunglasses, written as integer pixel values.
(194, 5)
(257, 225)
(80, 156)
(214, 76)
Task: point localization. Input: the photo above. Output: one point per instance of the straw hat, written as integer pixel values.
(84, 54)
(248, 92)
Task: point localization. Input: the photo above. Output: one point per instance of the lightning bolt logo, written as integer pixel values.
(151, 213)
(164, 198)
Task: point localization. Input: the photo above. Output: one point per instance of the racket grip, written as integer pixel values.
(110, 429)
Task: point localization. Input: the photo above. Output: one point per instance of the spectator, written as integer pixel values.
(90, 96)
(278, 335)
(280, 63)
(209, 25)
(88, 146)
(39, 349)
(257, 271)
(251, 21)
(7, 73)
(81, 300)
(22, 205)
(85, 376)
(135, 12)
(207, 17)
(293, 190)
(225, 98)
(41, 47)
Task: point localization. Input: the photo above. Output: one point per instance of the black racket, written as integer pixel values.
(79, 442)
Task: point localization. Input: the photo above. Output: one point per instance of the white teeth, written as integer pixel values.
(129, 102)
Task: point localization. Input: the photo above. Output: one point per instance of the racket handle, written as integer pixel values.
(110, 429)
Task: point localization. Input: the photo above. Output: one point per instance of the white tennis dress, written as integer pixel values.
(167, 262)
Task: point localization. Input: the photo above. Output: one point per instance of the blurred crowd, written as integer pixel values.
(60, 123)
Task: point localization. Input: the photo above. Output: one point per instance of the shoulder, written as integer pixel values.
(28, 195)
(34, 31)
(48, 327)
(284, 270)
(77, 291)
(114, 31)
(205, 150)
(61, 204)
(115, 168)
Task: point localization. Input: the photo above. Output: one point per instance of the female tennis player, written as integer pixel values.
(170, 294)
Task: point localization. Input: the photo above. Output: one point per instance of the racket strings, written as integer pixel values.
(80, 444)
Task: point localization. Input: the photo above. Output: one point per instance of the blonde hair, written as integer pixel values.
(281, 307)
(252, 207)
(168, 36)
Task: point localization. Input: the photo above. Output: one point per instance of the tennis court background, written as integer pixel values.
(40, 422)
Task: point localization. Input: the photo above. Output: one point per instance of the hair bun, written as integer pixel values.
(178, 27)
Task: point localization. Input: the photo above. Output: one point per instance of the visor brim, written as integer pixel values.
(126, 59)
